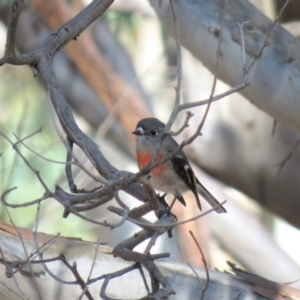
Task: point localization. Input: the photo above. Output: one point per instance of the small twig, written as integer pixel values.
(91, 271)
(150, 193)
(171, 225)
(231, 91)
(151, 243)
(121, 222)
(24, 248)
(119, 212)
(144, 278)
(189, 115)
(19, 265)
(265, 42)
(68, 169)
(119, 201)
(28, 136)
(216, 68)
(10, 55)
(12, 291)
(4, 194)
(40, 254)
(159, 256)
(179, 67)
(114, 274)
(238, 296)
(12, 28)
(205, 264)
(6, 266)
(241, 28)
(197, 276)
(78, 277)
(74, 162)
(36, 172)
(73, 268)
(274, 127)
(281, 164)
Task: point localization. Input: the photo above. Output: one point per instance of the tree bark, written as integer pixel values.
(275, 77)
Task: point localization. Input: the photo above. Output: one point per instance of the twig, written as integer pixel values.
(4, 194)
(179, 67)
(124, 250)
(36, 172)
(165, 225)
(9, 54)
(119, 201)
(265, 42)
(231, 91)
(78, 277)
(287, 158)
(241, 28)
(91, 271)
(238, 296)
(24, 248)
(189, 115)
(144, 279)
(6, 266)
(205, 264)
(216, 68)
(197, 276)
(40, 254)
(274, 127)
(19, 265)
(151, 243)
(28, 136)
(68, 169)
(12, 291)
(121, 222)
(75, 162)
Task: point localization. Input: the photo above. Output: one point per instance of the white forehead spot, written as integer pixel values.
(140, 129)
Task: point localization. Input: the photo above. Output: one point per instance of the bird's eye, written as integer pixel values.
(153, 132)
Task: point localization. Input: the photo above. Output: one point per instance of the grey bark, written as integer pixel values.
(275, 77)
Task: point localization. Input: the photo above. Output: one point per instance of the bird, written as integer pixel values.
(176, 175)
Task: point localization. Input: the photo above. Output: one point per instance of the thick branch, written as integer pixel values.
(274, 78)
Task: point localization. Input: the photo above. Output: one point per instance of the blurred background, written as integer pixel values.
(121, 69)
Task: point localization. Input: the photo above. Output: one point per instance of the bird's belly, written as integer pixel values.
(168, 183)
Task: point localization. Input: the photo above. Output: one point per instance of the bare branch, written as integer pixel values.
(28, 136)
(216, 69)
(241, 28)
(36, 172)
(205, 265)
(179, 67)
(9, 55)
(265, 42)
(281, 164)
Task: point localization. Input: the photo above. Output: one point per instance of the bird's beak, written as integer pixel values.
(136, 132)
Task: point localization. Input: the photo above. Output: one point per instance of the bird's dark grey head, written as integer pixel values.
(149, 126)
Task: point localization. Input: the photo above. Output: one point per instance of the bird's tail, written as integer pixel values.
(213, 202)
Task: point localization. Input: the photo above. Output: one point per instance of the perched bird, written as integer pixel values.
(174, 176)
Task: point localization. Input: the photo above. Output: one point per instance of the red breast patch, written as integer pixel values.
(144, 158)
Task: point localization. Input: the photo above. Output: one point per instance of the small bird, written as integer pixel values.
(175, 176)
